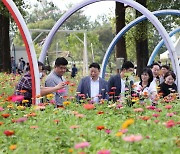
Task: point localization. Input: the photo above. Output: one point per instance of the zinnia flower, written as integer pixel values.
(104, 152)
(88, 106)
(82, 145)
(127, 123)
(170, 124)
(169, 114)
(13, 147)
(133, 138)
(9, 132)
(100, 127)
(168, 106)
(61, 90)
(17, 98)
(23, 119)
(138, 110)
(1, 109)
(118, 134)
(155, 115)
(5, 115)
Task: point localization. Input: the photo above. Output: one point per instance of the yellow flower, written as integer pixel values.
(10, 106)
(25, 101)
(118, 134)
(70, 150)
(50, 96)
(127, 123)
(13, 147)
(21, 107)
(66, 103)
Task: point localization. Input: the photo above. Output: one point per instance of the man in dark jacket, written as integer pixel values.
(116, 83)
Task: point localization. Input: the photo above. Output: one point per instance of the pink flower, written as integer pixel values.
(133, 138)
(123, 130)
(170, 124)
(169, 114)
(79, 115)
(23, 119)
(118, 106)
(82, 145)
(155, 115)
(17, 98)
(61, 90)
(150, 107)
(156, 121)
(108, 131)
(158, 110)
(104, 152)
(1, 109)
(138, 110)
(168, 106)
(74, 126)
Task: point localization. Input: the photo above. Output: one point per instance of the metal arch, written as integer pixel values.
(10, 5)
(160, 44)
(125, 29)
(137, 6)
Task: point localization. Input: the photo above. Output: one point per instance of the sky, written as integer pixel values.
(92, 10)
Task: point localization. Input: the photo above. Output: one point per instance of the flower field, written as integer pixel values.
(105, 128)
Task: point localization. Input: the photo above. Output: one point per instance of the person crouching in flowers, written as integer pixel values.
(93, 86)
(168, 86)
(24, 87)
(146, 84)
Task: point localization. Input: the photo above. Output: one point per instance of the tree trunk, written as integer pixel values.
(120, 23)
(5, 58)
(142, 53)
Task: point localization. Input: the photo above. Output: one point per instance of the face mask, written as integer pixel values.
(40, 75)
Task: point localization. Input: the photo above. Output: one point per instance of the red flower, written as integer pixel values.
(5, 115)
(170, 124)
(67, 82)
(88, 106)
(56, 121)
(111, 93)
(100, 127)
(100, 112)
(9, 132)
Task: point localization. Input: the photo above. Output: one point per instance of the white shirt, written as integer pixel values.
(95, 90)
(150, 90)
(122, 86)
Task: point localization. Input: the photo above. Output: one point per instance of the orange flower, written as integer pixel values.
(13, 147)
(127, 123)
(33, 127)
(56, 121)
(9, 132)
(5, 115)
(22, 91)
(100, 127)
(145, 118)
(100, 112)
(1, 123)
(88, 106)
(33, 114)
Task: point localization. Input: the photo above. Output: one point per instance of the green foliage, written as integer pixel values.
(58, 130)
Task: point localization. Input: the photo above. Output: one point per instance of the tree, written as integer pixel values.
(120, 23)
(5, 18)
